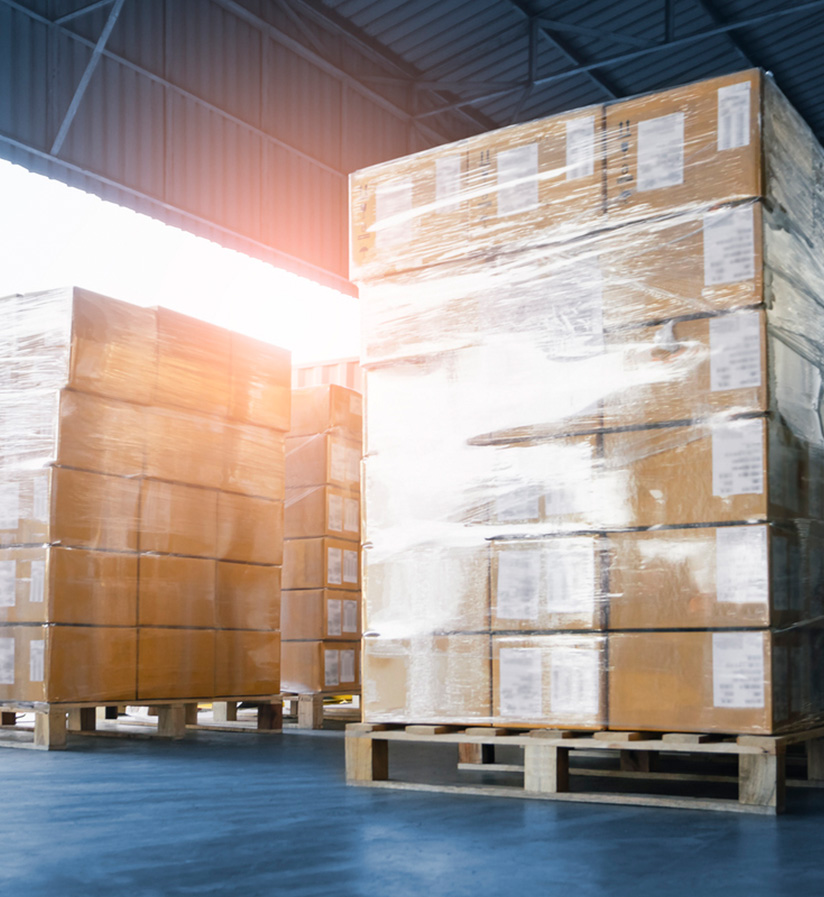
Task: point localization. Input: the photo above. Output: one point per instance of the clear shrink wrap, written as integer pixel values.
(141, 503)
(593, 480)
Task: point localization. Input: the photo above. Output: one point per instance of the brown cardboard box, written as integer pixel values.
(248, 596)
(557, 681)
(427, 679)
(193, 364)
(735, 682)
(714, 577)
(321, 511)
(320, 614)
(315, 460)
(68, 586)
(310, 667)
(175, 663)
(67, 663)
(440, 587)
(547, 584)
(517, 186)
(742, 470)
(185, 447)
(178, 519)
(317, 409)
(253, 461)
(176, 592)
(321, 564)
(247, 663)
(249, 529)
(261, 383)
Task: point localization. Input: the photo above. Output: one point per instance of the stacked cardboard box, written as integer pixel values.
(321, 607)
(593, 471)
(141, 503)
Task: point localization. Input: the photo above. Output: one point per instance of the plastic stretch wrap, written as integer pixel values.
(593, 485)
(321, 609)
(142, 489)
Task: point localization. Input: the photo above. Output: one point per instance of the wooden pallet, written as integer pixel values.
(53, 722)
(761, 762)
(311, 709)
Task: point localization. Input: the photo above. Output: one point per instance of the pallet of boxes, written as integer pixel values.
(321, 609)
(141, 513)
(593, 491)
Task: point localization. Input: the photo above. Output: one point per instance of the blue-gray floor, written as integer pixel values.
(254, 815)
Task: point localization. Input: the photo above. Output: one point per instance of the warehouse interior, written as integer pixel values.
(260, 125)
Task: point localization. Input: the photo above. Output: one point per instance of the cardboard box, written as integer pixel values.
(553, 681)
(318, 409)
(175, 663)
(744, 682)
(248, 596)
(514, 187)
(740, 470)
(178, 519)
(67, 663)
(311, 667)
(321, 511)
(425, 588)
(193, 364)
(320, 614)
(184, 447)
(253, 461)
(176, 591)
(427, 679)
(261, 383)
(68, 586)
(25, 507)
(547, 584)
(249, 529)
(321, 564)
(247, 663)
(729, 577)
(322, 459)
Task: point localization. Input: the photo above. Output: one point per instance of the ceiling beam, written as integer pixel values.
(83, 11)
(717, 19)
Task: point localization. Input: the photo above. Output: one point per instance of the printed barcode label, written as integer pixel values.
(735, 351)
(37, 661)
(738, 669)
(338, 462)
(9, 505)
(350, 616)
(519, 584)
(661, 152)
(335, 512)
(353, 460)
(570, 577)
(350, 566)
(580, 148)
(741, 563)
(331, 667)
(333, 616)
(351, 515)
(393, 208)
(37, 595)
(8, 583)
(734, 116)
(347, 665)
(729, 245)
(575, 681)
(518, 503)
(738, 459)
(6, 661)
(520, 683)
(334, 566)
(518, 179)
(447, 182)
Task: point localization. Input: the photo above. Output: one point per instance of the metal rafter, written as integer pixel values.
(717, 19)
(83, 11)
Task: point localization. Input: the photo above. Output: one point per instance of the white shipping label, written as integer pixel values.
(353, 460)
(574, 311)
(331, 668)
(561, 500)
(741, 563)
(40, 500)
(661, 152)
(733, 116)
(447, 182)
(8, 583)
(37, 660)
(6, 661)
(356, 404)
(333, 616)
(350, 616)
(350, 566)
(37, 594)
(729, 245)
(334, 512)
(519, 584)
(9, 505)
(738, 669)
(518, 179)
(570, 584)
(518, 503)
(575, 677)
(337, 461)
(520, 682)
(738, 459)
(351, 515)
(735, 351)
(393, 210)
(347, 665)
(580, 148)
(334, 566)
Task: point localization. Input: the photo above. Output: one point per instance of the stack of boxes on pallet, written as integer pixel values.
(593, 473)
(321, 607)
(141, 503)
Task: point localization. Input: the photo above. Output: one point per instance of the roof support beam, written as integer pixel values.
(83, 11)
(86, 77)
(717, 19)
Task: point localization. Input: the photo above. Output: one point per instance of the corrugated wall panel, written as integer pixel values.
(23, 53)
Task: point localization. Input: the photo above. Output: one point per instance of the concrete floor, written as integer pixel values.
(255, 815)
